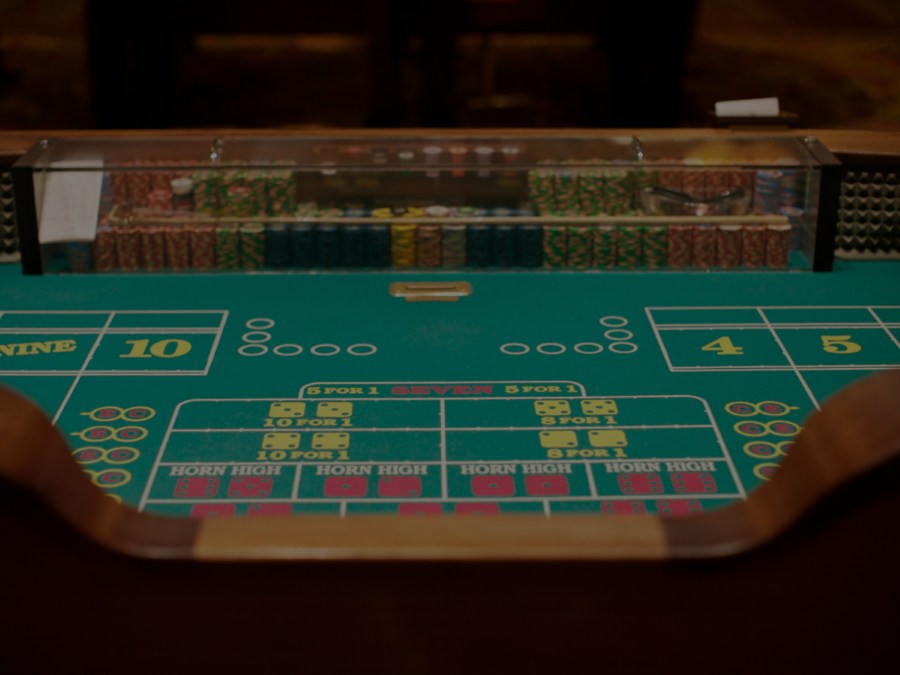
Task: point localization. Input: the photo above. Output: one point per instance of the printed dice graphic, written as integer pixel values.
(331, 441)
(607, 438)
(623, 508)
(399, 486)
(346, 486)
(297, 409)
(477, 509)
(335, 409)
(599, 407)
(250, 486)
(545, 408)
(678, 508)
(493, 486)
(281, 441)
(546, 485)
(212, 511)
(424, 510)
(693, 482)
(640, 483)
(559, 439)
(196, 487)
(268, 510)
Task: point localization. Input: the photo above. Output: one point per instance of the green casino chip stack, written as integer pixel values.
(604, 244)
(655, 245)
(257, 181)
(642, 177)
(579, 246)
(253, 246)
(281, 192)
(618, 191)
(566, 193)
(228, 247)
(206, 191)
(592, 192)
(555, 253)
(540, 190)
(628, 246)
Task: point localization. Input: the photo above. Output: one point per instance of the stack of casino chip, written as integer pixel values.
(428, 245)
(642, 177)
(531, 245)
(139, 185)
(228, 247)
(629, 252)
(604, 246)
(619, 191)
(281, 192)
(203, 246)
(679, 248)
(307, 210)
(540, 190)
(353, 245)
(718, 180)
(118, 186)
(728, 246)
(258, 182)
(742, 179)
(159, 200)
(479, 245)
(128, 248)
(579, 245)
(153, 247)
(328, 245)
(105, 249)
(178, 247)
(790, 188)
(753, 245)
(795, 218)
(592, 192)
(403, 245)
(506, 245)
(160, 179)
(565, 187)
(693, 180)
(278, 246)
(655, 245)
(767, 192)
(378, 246)
(669, 177)
(206, 192)
(79, 257)
(778, 245)
(239, 201)
(253, 246)
(453, 245)
(704, 246)
(303, 245)
(555, 245)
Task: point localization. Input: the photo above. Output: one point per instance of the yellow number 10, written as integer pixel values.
(724, 347)
(839, 344)
(139, 349)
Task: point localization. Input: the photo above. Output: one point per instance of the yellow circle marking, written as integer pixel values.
(93, 413)
(101, 454)
(138, 407)
(762, 425)
(770, 427)
(117, 434)
(760, 468)
(96, 480)
(748, 448)
(83, 435)
(752, 406)
(784, 408)
(107, 458)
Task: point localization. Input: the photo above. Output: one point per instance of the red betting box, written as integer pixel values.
(212, 511)
(678, 508)
(545, 486)
(477, 509)
(693, 482)
(268, 510)
(196, 487)
(493, 486)
(250, 486)
(640, 483)
(346, 486)
(623, 508)
(426, 510)
(399, 486)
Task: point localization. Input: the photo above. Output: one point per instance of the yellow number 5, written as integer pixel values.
(839, 344)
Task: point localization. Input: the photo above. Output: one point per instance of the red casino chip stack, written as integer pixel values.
(178, 247)
(160, 200)
(139, 185)
(693, 181)
(718, 180)
(704, 245)
(778, 245)
(728, 246)
(670, 178)
(679, 245)
(753, 245)
(743, 179)
(128, 248)
(153, 247)
(203, 247)
(105, 249)
(118, 186)
(162, 180)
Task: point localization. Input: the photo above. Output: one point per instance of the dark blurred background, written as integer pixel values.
(488, 63)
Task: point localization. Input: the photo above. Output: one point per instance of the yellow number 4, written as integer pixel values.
(724, 347)
(833, 344)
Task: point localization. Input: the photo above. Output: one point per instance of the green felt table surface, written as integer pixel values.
(266, 394)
